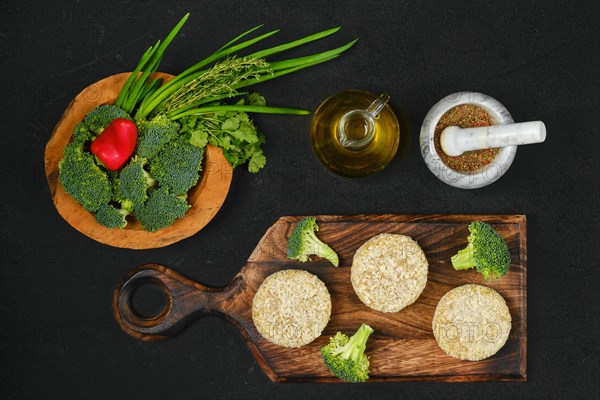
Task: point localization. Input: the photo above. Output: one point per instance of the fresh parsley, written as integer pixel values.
(233, 131)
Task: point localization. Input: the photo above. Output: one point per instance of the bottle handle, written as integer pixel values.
(377, 105)
(366, 117)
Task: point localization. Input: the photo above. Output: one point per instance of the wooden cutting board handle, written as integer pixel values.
(186, 301)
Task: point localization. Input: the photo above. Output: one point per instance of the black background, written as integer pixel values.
(541, 60)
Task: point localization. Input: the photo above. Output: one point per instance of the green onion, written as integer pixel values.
(130, 95)
(156, 100)
(242, 108)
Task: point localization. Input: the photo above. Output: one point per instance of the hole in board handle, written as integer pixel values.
(150, 300)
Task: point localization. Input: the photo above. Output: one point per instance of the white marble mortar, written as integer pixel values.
(470, 180)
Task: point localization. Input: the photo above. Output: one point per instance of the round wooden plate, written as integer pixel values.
(206, 197)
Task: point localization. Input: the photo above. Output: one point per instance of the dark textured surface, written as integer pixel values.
(58, 338)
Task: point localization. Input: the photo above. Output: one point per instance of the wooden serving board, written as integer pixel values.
(401, 348)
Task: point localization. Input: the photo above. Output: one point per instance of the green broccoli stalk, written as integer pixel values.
(486, 251)
(303, 242)
(345, 357)
(112, 217)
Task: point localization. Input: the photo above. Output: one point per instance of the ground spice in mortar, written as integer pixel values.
(465, 116)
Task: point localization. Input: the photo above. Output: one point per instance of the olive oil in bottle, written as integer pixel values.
(355, 133)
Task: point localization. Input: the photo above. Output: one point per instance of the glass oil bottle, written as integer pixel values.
(355, 133)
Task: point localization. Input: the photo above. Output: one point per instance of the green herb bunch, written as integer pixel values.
(206, 104)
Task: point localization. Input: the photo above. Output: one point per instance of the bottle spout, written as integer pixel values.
(455, 141)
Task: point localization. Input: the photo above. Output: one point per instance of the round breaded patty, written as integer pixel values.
(291, 308)
(389, 272)
(471, 322)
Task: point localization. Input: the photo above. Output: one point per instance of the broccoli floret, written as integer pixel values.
(81, 134)
(161, 210)
(153, 135)
(101, 116)
(487, 252)
(176, 167)
(94, 123)
(112, 217)
(82, 179)
(134, 182)
(113, 177)
(345, 357)
(303, 242)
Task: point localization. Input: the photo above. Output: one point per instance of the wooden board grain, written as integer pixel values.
(206, 198)
(402, 346)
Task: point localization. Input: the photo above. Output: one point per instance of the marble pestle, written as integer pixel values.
(455, 140)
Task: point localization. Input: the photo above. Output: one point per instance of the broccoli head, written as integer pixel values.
(133, 183)
(81, 134)
(161, 209)
(176, 167)
(487, 252)
(101, 116)
(154, 134)
(345, 357)
(112, 217)
(95, 121)
(303, 242)
(82, 179)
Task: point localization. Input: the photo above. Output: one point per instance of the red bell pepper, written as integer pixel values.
(115, 145)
